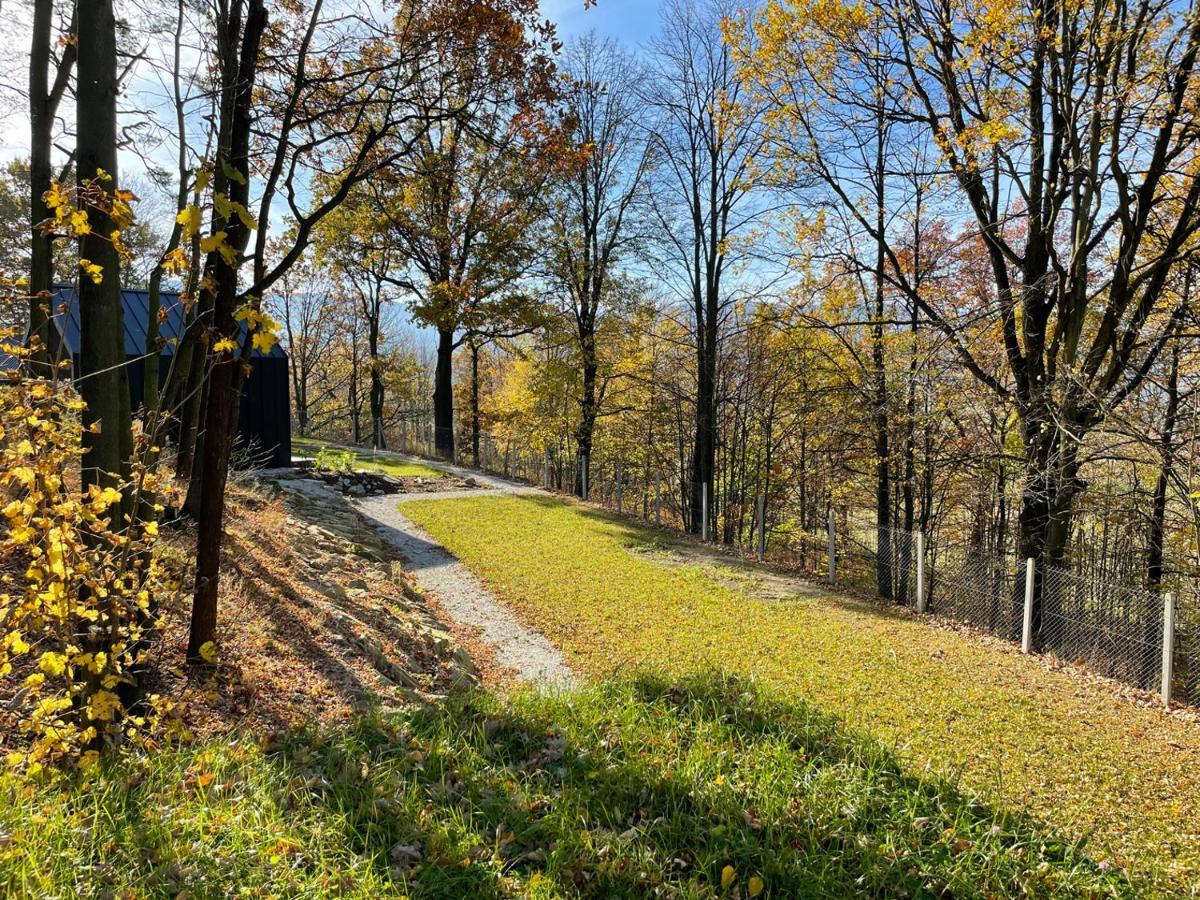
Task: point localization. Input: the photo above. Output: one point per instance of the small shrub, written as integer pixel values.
(335, 460)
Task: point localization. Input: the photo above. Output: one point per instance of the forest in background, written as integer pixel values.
(916, 268)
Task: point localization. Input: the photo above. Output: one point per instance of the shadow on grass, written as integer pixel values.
(654, 785)
(647, 787)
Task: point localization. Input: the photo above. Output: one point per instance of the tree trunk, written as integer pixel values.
(1158, 515)
(585, 432)
(475, 402)
(102, 376)
(378, 441)
(884, 551)
(704, 448)
(443, 396)
(1047, 499)
(43, 103)
(238, 77)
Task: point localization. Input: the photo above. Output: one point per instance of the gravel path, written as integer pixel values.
(463, 595)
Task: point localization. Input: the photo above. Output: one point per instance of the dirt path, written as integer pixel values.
(462, 595)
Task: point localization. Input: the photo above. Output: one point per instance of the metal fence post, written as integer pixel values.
(1168, 653)
(921, 601)
(584, 474)
(546, 469)
(1027, 621)
(619, 485)
(704, 511)
(657, 498)
(832, 552)
(762, 526)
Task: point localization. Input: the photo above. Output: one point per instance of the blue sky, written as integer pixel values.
(632, 22)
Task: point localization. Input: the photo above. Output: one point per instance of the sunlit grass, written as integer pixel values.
(368, 461)
(633, 789)
(1064, 749)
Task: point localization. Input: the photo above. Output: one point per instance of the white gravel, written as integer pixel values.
(460, 593)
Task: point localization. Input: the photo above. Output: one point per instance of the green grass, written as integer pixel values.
(369, 462)
(631, 789)
(1059, 747)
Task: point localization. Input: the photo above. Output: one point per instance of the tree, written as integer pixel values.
(593, 210)
(467, 194)
(303, 300)
(707, 139)
(339, 101)
(103, 382)
(44, 96)
(1031, 103)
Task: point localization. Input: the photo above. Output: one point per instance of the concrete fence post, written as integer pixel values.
(762, 526)
(704, 511)
(831, 528)
(1027, 618)
(1168, 642)
(921, 599)
(620, 486)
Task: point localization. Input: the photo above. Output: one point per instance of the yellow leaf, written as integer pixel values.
(16, 644)
(225, 345)
(53, 663)
(79, 222)
(264, 341)
(189, 218)
(208, 652)
(23, 474)
(212, 242)
(755, 887)
(93, 271)
(727, 875)
(104, 706)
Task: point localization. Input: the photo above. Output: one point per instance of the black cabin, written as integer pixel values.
(264, 425)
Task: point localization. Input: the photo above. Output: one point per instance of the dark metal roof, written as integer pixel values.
(137, 314)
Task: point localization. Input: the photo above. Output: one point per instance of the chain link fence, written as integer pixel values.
(1113, 629)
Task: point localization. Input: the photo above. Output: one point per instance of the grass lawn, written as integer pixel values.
(371, 462)
(1003, 726)
(697, 788)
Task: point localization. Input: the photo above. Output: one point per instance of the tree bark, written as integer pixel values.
(43, 104)
(588, 408)
(704, 447)
(102, 378)
(443, 396)
(378, 441)
(474, 401)
(240, 64)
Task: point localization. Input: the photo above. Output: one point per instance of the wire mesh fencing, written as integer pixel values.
(1187, 653)
(1113, 629)
(976, 588)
